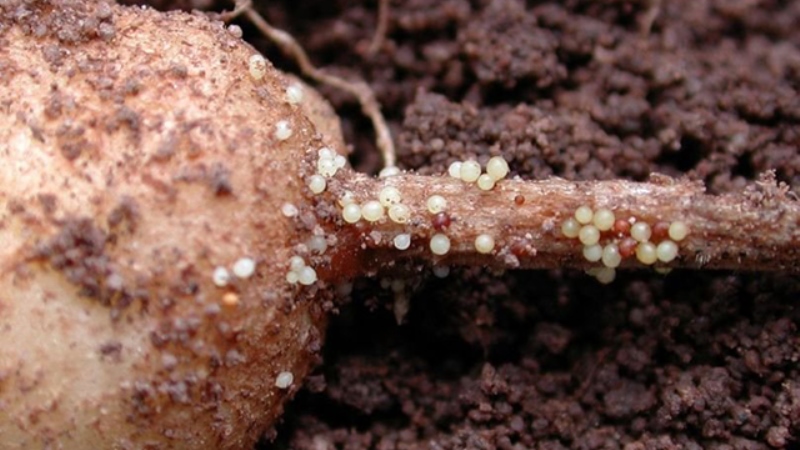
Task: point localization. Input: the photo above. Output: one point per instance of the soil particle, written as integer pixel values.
(78, 251)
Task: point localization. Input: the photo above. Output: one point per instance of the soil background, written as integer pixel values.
(706, 89)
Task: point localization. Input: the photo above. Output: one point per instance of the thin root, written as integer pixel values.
(382, 28)
(359, 89)
(239, 8)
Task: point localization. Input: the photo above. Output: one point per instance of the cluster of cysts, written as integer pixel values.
(299, 272)
(257, 67)
(470, 172)
(610, 240)
(605, 238)
(242, 269)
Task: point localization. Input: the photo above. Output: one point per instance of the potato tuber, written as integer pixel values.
(176, 215)
(138, 156)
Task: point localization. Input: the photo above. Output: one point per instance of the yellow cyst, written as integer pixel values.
(351, 213)
(641, 231)
(667, 251)
(484, 243)
(606, 275)
(584, 215)
(593, 253)
(589, 235)
(436, 204)
(646, 253)
(470, 171)
(611, 257)
(372, 211)
(603, 219)
(455, 169)
(485, 182)
(497, 168)
(570, 228)
(678, 231)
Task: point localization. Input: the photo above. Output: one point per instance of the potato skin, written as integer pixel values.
(136, 155)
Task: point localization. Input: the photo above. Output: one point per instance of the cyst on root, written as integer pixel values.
(399, 213)
(470, 171)
(440, 244)
(351, 213)
(389, 196)
(484, 243)
(584, 215)
(603, 219)
(570, 228)
(606, 275)
(678, 231)
(402, 241)
(667, 251)
(611, 256)
(436, 204)
(485, 182)
(372, 211)
(454, 170)
(593, 253)
(497, 168)
(641, 231)
(646, 253)
(589, 235)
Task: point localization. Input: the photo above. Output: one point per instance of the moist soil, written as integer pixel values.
(553, 360)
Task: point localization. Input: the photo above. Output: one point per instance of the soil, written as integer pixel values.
(552, 360)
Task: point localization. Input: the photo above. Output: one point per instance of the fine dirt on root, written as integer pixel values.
(552, 360)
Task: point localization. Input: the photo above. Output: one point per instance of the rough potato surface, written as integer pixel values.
(136, 156)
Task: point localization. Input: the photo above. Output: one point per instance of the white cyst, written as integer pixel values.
(257, 67)
(307, 276)
(244, 267)
(283, 130)
(440, 244)
(402, 241)
(221, 276)
(284, 380)
(294, 94)
(436, 204)
(317, 184)
(289, 210)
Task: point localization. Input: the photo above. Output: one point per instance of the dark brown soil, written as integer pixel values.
(582, 90)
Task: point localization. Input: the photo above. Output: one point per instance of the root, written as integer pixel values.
(359, 89)
(380, 31)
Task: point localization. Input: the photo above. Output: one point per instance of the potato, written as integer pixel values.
(137, 157)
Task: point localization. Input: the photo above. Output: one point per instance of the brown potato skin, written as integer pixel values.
(136, 155)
